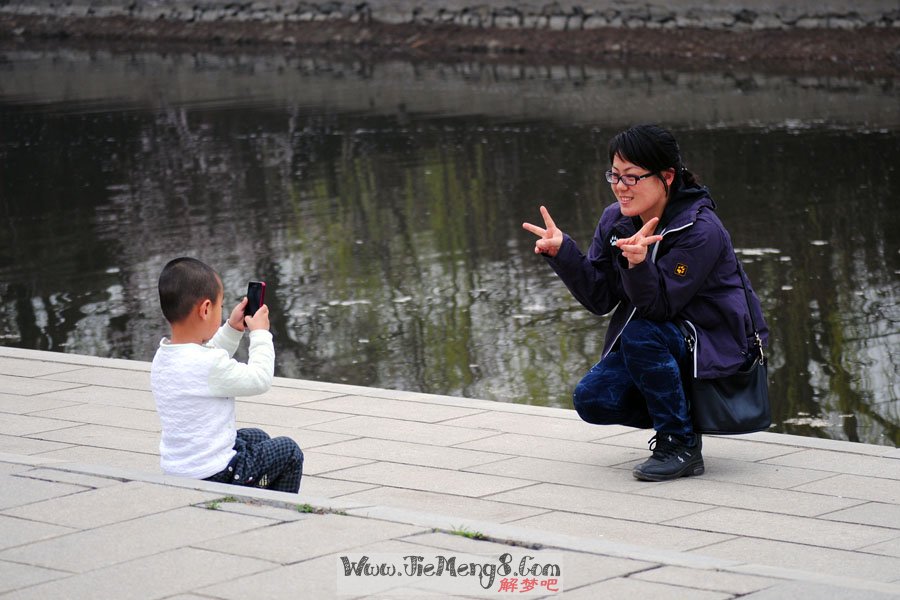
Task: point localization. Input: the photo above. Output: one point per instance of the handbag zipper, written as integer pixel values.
(692, 343)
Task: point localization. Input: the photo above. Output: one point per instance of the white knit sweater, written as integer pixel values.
(194, 387)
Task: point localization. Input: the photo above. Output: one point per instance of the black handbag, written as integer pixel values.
(737, 403)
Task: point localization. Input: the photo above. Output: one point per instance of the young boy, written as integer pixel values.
(195, 379)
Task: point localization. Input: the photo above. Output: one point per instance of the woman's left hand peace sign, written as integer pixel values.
(550, 236)
(634, 249)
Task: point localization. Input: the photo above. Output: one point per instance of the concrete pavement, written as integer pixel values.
(85, 512)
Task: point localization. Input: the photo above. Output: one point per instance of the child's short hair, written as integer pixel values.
(183, 283)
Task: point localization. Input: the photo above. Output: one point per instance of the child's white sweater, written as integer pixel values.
(194, 387)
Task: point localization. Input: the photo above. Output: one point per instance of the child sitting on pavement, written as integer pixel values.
(195, 379)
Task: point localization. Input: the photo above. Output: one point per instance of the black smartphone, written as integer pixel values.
(256, 297)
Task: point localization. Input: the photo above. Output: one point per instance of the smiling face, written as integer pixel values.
(645, 199)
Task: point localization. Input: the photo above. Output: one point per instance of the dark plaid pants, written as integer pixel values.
(261, 461)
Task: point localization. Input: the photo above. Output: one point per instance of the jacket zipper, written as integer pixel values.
(692, 342)
(634, 310)
(618, 335)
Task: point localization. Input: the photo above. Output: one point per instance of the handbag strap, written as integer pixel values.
(743, 276)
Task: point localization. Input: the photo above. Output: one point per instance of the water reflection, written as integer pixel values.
(383, 203)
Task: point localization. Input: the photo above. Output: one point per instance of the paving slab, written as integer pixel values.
(22, 425)
(144, 419)
(403, 431)
(22, 531)
(805, 590)
(290, 396)
(263, 511)
(287, 543)
(144, 461)
(555, 449)
(88, 508)
(14, 576)
(539, 470)
(306, 576)
(799, 442)
(774, 516)
(108, 377)
(59, 476)
(104, 436)
(621, 531)
(148, 578)
(579, 568)
(324, 487)
(105, 396)
(760, 474)
(714, 581)
(31, 368)
(284, 416)
(17, 491)
(855, 486)
(788, 528)
(23, 405)
(635, 588)
(600, 502)
(530, 425)
(806, 558)
(888, 548)
(435, 502)
(425, 455)
(429, 479)
(29, 386)
(393, 409)
(24, 446)
(9, 468)
(314, 578)
(307, 438)
(754, 497)
(318, 463)
(745, 494)
(125, 541)
(878, 467)
(871, 513)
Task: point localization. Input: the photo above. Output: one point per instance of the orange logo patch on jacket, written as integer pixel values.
(681, 269)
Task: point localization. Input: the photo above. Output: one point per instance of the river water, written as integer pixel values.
(383, 202)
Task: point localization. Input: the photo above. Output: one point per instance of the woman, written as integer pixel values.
(661, 258)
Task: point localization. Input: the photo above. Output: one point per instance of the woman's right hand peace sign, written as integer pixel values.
(551, 238)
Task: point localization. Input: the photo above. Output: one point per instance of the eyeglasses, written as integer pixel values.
(628, 179)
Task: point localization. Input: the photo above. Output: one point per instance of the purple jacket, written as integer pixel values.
(690, 277)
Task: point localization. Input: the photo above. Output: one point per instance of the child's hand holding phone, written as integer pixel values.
(256, 297)
(256, 313)
(236, 318)
(244, 313)
(260, 320)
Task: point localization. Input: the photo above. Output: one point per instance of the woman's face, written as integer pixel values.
(645, 199)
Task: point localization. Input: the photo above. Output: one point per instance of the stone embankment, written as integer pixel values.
(556, 15)
(828, 37)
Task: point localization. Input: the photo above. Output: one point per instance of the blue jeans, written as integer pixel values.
(639, 382)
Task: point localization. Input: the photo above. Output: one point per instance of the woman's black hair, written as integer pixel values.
(654, 148)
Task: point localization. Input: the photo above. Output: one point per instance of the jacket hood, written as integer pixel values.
(685, 200)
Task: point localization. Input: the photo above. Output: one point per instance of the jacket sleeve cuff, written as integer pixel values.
(638, 280)
(565, 251)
